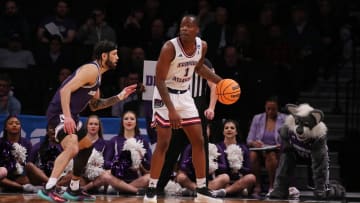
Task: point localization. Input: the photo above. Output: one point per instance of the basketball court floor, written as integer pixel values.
(33, 198)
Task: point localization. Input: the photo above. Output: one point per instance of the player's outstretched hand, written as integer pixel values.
(127, 91)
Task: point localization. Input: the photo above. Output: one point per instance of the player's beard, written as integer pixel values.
(110, 64)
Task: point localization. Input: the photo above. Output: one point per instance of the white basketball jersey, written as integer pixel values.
(182, 67)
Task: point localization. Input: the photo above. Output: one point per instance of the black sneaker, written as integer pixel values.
(160, 192)
(278, 193)
(150, 195)
(78, 195)
(204, 195)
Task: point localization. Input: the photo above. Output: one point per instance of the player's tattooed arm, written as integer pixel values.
(100, 103)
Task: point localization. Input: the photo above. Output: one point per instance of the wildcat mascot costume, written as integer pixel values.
(304, 135)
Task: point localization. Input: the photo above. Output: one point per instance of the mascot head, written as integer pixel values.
(305, 121)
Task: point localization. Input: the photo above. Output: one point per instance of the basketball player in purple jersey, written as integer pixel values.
(75, 93)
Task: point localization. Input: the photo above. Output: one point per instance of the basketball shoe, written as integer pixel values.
(150, 195)
(204, 195)
(78, 195)
(51, 195)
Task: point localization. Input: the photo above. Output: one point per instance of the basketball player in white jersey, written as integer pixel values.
(173, 105)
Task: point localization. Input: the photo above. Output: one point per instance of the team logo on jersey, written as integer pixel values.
(158, 103)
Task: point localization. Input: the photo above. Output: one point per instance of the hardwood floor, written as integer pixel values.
(33, 198)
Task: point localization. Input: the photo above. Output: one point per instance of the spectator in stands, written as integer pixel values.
(259, 30)
(152, 10)
(51, 62)
(14, 55)
(131, 33)
(328, 23)
(242, 41)
(60, 23)
(14, 156)
(237, 162)
(137, 60)
(12, 21)
(9, 104)
(54, 57)
(277, 55)
(155, 39)
(304, 40)
(205, 14)
(217, 34)
(264, 132)
(96, 29)
(128, 156)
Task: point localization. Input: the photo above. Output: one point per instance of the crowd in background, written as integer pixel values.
(268, 47)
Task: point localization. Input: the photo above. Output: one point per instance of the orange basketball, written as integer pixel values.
(228, 91)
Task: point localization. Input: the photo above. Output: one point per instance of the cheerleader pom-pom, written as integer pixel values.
(136, 147)
(19, 168)
(19, 152)
(94, 165)
(96, 159)
(234, 156)
(213, 155)
(93, 172)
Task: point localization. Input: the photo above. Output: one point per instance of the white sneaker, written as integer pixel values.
(294, 193)
(29, 188)
(111, 191)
